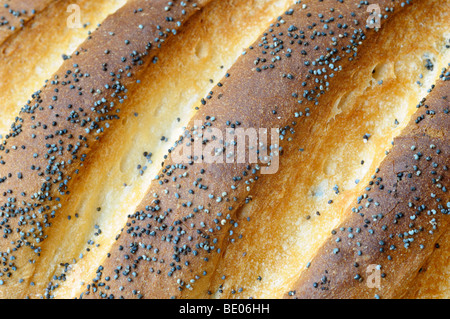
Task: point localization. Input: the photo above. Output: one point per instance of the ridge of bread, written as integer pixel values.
(35, 52)
(131, 156)
(334, 90)
(292, 213)
(15, 14)
(64, 122)
(432, 280)
(394, 226)
(172, 243)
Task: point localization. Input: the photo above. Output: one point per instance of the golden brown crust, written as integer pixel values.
(291, 213)
(172, 243)
(35, 52)
(15, 14)
(396, 223)
(57, 130)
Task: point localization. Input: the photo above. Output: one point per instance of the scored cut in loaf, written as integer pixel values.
(82, 213)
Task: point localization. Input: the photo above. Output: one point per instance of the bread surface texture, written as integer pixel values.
(102, 193)
(294, 211)
(54, 133)
(181, 265)
(33, 53)
(399, 219)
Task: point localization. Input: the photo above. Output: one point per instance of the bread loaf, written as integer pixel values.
(57, 130)
(82, 213)
(399, 220)
(342, 154)
(40, 46)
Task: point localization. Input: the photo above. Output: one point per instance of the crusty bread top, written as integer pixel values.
(15, 14)
(326, 167)
(396, 224)
(174, 239)
(56, 130)
(171, 244)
